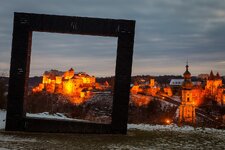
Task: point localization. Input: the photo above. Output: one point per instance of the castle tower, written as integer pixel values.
(187, 108)
(211, 75)
(218, 76)
(69, 74)
(213, 83)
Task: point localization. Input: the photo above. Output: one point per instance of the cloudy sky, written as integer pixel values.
(167, 33)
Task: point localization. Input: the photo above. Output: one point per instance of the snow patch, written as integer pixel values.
(7, 138)
(172, 127)
(121, 147)
(58, 116)
(176, 98)
(49, 116)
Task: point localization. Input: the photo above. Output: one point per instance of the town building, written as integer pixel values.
(168, 91)
(148, 88)
(176, 82)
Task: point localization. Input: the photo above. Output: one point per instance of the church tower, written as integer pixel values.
(187, 107)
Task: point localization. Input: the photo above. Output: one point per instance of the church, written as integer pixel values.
(187, 108)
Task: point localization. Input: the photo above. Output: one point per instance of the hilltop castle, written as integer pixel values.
(67, 83)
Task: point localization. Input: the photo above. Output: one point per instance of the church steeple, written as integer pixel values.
(187, 84)
(187, 108)
(187, 64)
(187, 74)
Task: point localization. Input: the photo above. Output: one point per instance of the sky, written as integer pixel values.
(167, 33)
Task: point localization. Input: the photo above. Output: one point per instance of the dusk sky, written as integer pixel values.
(167, 33)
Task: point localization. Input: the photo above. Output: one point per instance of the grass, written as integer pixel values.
(135, 139)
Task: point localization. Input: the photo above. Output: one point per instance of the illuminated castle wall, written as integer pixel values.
(213, 83)
(67, 83)
(214, 88)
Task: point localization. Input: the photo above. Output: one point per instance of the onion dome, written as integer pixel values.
(187, 74)
(187, 84)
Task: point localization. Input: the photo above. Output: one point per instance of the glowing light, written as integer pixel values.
(167, 121)
(68, 87)
(58, 80)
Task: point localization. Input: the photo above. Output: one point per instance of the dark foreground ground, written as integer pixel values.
(138, 137)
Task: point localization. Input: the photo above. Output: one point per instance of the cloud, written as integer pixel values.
(221, 62)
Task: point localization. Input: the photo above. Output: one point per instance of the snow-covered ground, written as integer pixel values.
(49, 116)
(173, 127)
(143, 127)
(176, 98)
(165, 104)
(58, 116)
(140, 136)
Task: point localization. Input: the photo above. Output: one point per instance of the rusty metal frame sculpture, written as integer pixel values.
(24, 25)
